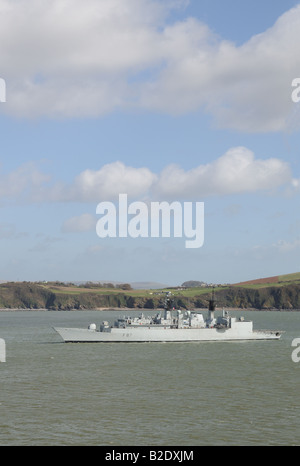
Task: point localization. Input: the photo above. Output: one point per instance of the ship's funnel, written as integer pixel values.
(168, 307)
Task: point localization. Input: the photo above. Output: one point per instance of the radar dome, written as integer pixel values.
(92, 327)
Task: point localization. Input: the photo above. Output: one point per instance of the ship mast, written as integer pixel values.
(212, 306)
(168, 308)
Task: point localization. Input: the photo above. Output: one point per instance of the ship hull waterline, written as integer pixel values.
(150, 334)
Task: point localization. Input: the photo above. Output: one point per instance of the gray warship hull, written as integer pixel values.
(161, 334)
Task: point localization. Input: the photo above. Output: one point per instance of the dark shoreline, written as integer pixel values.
(128, 309)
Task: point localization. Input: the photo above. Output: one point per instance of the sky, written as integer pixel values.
(166, 101)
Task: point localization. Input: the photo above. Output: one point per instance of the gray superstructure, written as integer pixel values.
(170, 326)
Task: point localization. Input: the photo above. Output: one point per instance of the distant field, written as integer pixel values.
(189, 292)
(277, 280)
(291, 277)
(78, 290)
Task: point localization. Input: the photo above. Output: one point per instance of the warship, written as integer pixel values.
(170, 326)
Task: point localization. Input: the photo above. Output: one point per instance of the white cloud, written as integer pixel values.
(67, 58)
(74, 58)
(237, 171)
(107, 183)
(246, 87)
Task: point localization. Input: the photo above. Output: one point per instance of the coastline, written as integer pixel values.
(144, 309)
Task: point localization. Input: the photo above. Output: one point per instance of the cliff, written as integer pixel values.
(27, 295)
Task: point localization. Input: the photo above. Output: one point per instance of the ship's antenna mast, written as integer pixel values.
(168, 306)
(212, 306)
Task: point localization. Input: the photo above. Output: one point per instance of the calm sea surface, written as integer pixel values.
(147, 394)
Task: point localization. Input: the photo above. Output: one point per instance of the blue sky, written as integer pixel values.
(110, 95)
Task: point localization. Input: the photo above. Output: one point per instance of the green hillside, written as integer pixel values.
(281, 292)
(291, 277)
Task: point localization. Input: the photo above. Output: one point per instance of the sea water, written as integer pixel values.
(146, 394)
